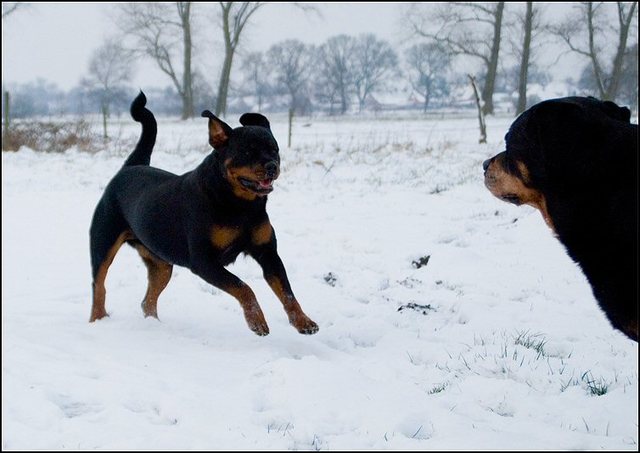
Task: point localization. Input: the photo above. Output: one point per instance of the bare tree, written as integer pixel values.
(292, 62)
(427, 66)
(110, 68)
(158, 29)
(373, 61)
(471, 29)
(589, 34)
(335, 71)
(235, 16)
(256, 75)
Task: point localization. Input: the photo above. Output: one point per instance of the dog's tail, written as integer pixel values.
(142, 154)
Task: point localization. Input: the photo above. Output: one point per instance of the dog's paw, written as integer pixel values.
(98, 315)
(255, 321)
(308, 327)
(260, 329)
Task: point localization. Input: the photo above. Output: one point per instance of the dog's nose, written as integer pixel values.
(486, 164)
(271, 168)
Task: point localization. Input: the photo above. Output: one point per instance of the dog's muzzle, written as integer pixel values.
(271, 169)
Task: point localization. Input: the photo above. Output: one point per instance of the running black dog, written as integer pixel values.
(201, 220)
(576, 160)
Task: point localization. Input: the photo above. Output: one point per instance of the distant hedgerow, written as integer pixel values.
(51, 137)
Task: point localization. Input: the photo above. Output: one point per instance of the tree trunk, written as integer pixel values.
(597, 70)
(492, 69)
(616, 71)
(524, 63)
(427, 98)
(343, 99)
(187, 75)
(7, 115)
(105, 113)
(290, 127)
(225, 75)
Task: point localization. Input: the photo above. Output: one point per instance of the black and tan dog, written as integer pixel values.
(201, 220)
(576, 160)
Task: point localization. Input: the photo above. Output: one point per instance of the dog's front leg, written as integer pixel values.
(274, 273)
(221, 278)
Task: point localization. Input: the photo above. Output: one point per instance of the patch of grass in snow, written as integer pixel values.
(283, 429)
(595, 387)
(534, 341)
(438, 388)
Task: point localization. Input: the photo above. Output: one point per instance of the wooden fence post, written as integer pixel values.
(290, 126)
(483, 126)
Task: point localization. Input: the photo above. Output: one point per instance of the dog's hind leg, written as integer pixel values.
(108, 232)
(102, 254)
(159, 274)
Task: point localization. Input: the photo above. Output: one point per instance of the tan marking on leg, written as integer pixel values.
(252, 311)
(158, 274)
(262, 234)
(297, 318)
(98, 310)
(222, 236)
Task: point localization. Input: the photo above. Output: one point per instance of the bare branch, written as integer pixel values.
(9, 8)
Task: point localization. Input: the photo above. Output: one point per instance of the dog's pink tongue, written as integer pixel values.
(265, 183)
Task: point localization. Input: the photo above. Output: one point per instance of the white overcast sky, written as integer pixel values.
(54, 41)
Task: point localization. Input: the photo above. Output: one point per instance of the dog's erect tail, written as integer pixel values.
(142, 154)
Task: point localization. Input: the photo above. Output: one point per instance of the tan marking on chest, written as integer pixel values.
(262, 234)
(223, 236)
(541, 205)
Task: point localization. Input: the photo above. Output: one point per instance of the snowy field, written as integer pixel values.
(496, 343)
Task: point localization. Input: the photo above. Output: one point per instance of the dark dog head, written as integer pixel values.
(565, 147)
(249, 154)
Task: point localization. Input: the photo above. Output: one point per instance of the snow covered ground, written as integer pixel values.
(496, 343)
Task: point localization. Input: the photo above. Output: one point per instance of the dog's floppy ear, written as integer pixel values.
(254, 119)
(219, 131)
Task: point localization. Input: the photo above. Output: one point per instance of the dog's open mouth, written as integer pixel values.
(261, 187)
(511, 198)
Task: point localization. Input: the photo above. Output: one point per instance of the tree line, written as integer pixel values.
(503, 42)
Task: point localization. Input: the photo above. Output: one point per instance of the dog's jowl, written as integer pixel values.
(201, 220)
